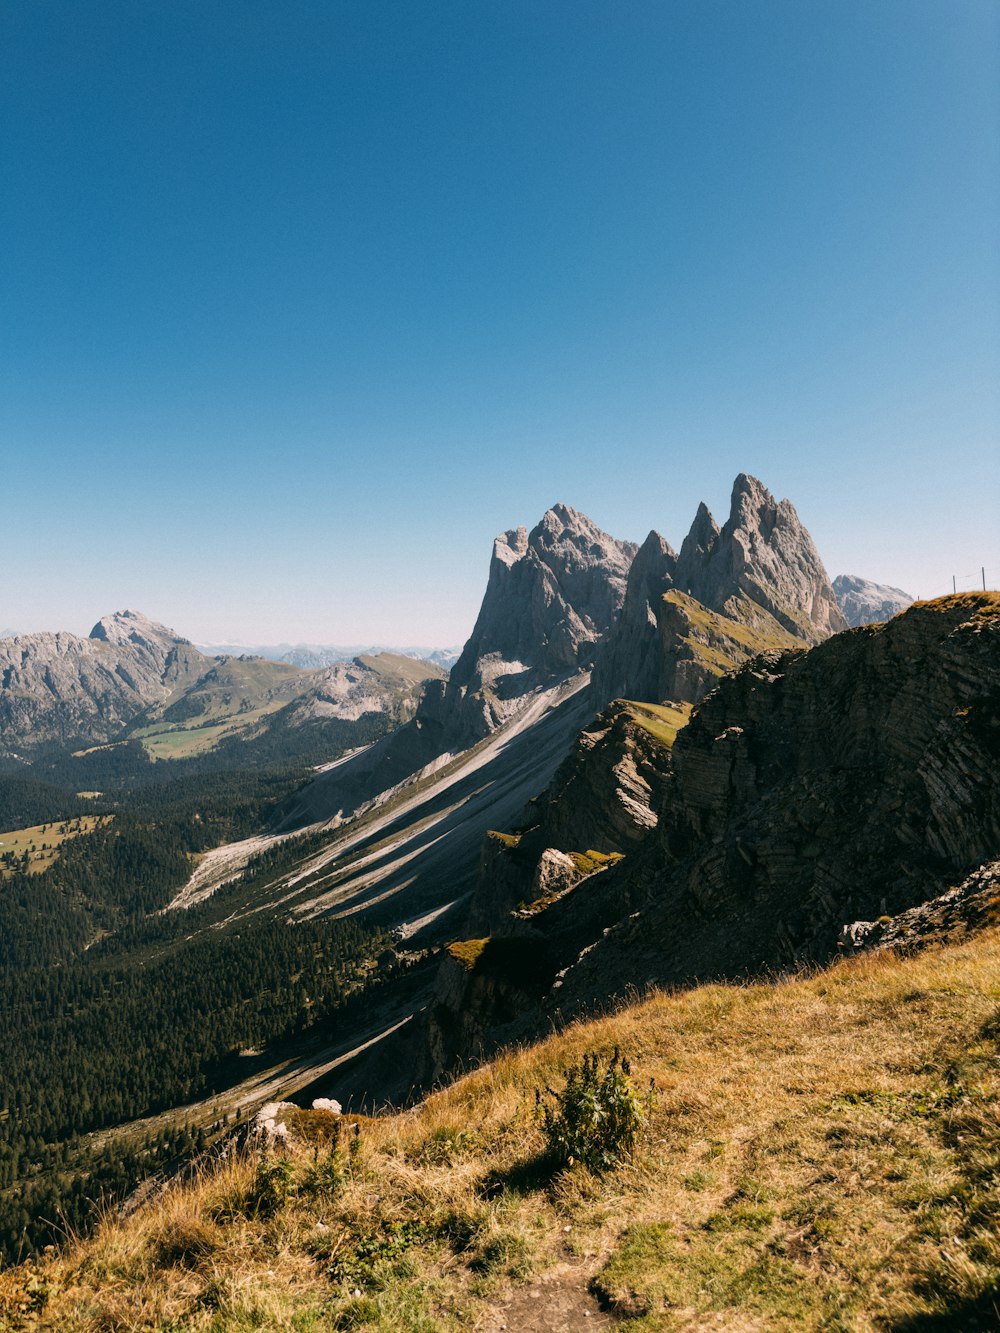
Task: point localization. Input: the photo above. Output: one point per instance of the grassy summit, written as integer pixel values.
(824, 1153)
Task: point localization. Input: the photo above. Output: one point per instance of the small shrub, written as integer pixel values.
(597, 1117)
(446, 1144)
(373, 1256)
(325, 1177)
(272, 1186)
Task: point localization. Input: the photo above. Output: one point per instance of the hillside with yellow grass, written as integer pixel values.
(820, 1153)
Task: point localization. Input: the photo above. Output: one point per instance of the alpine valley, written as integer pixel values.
(702, 804)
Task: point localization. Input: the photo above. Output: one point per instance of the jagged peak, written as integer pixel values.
(511, 545)
(655, 544)
(561, 521)
(753, 507)
(702, 535)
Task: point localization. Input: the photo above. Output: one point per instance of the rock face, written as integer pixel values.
(601, 803)
(630, 665)
(853, 781)
(968, 907)
(552, 596)
(811, 788)
(63, 688)
(762, 555)
(865, 603)
(760, 571)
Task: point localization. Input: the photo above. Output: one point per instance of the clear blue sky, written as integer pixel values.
(300, 303)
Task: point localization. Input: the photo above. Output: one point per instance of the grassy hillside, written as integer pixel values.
(41, 843)
(822, 1153)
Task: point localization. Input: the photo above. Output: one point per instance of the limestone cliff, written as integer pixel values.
(763, 556)
(551, 597)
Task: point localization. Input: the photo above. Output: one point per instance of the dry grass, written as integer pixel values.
(824, 1154)
(42, 841)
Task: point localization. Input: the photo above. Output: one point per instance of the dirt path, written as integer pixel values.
(559, 1301)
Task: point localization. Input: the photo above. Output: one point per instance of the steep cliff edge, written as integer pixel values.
(852, 781)
(848, 782)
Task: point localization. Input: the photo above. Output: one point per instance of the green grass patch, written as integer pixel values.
(467, 952)
(661, 721)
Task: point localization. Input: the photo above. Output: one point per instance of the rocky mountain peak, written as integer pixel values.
(701, 538)
(753, 584)
(132, 627)
(553, 593)
(763, 553)
(510, 546)
(630, 661)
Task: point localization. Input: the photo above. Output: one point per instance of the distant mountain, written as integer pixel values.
(313, 656)
(865, 603)
(66, 689)
(132, 678)
(8, 633)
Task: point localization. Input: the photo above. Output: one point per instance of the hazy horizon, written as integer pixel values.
(304, 305)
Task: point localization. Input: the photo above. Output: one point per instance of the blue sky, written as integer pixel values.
(301, 303)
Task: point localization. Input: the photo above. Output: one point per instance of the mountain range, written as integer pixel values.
(133, 679)
(648, 768)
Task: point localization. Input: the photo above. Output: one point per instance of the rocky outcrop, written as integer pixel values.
(606, 792)
(698, 647)
(865, 603)
(601, 803)
(687, 619)
(856, 781)
(963, 910)
(630, 666)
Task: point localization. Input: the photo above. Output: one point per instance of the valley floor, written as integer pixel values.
(822, 1153)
